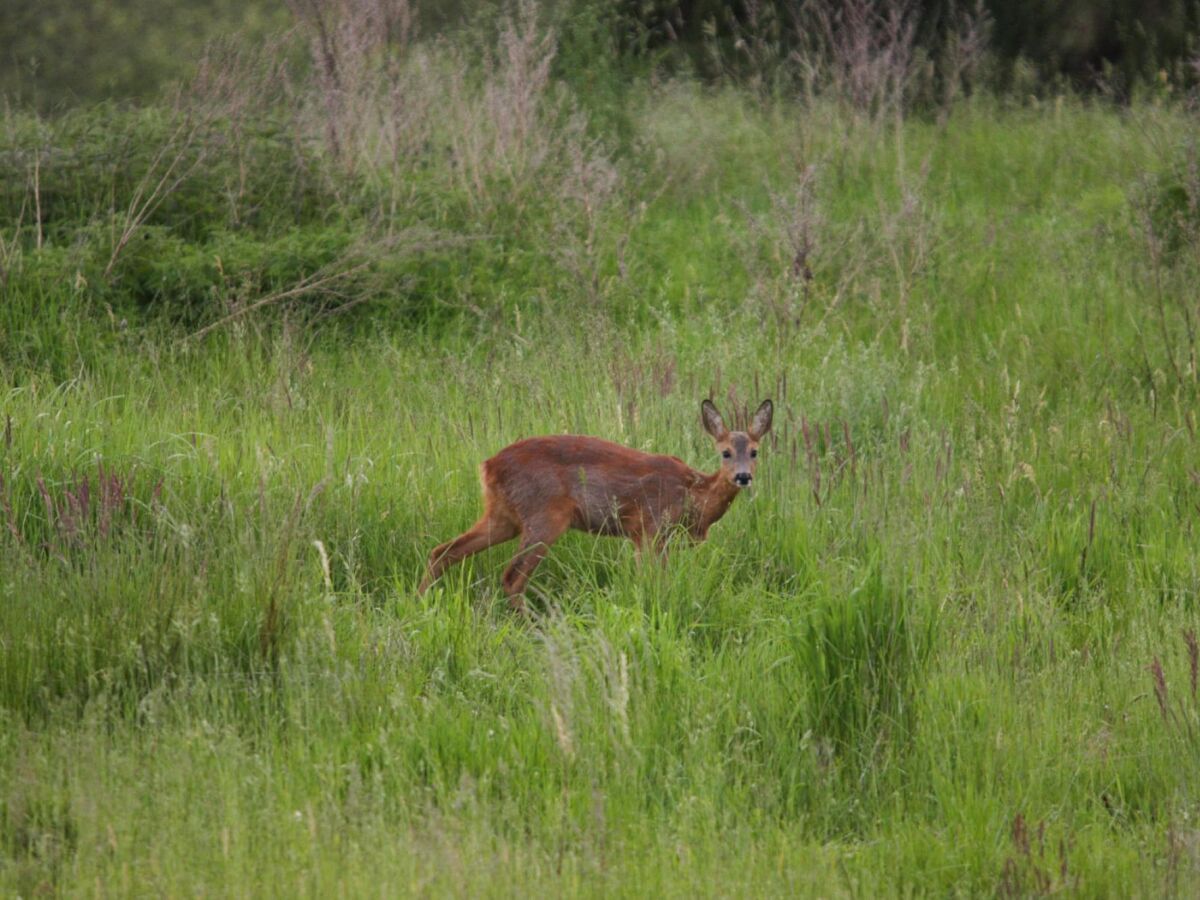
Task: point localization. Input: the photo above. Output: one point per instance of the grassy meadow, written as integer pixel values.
(255, 341)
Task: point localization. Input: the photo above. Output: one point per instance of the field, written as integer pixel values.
(249, 366)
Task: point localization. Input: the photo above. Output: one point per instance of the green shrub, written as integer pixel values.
(189, 175)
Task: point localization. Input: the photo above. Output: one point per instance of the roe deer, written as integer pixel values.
(539, 487)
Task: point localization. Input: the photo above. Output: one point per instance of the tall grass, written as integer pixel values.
(945, 646)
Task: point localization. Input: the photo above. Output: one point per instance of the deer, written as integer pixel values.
(540, 487)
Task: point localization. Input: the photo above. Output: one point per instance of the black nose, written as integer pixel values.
(742, 479)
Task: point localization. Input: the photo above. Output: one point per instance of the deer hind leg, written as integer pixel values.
(536, 538)
(490, 529)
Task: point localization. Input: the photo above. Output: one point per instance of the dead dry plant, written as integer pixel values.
(480, 123)
(806, 260)
(867, 53)
(862, 54)
(346, 282)
(787, 238)
(1166, 216)
(354, 45)
(209, 114)
(964, 53)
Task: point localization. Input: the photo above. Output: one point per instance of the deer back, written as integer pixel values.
(600, 484)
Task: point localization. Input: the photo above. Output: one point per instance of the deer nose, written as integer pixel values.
(741, 479)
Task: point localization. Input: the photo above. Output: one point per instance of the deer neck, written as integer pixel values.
(711, 497)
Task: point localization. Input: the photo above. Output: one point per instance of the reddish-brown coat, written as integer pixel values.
(540, 487)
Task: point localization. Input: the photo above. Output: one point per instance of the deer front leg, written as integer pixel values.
(658, 543)
(661, 548)
(637, 537)
(648, 542)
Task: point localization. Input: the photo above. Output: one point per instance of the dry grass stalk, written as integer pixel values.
(866, 52)
(966, 49)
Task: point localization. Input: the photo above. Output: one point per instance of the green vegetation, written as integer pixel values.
(256, 337)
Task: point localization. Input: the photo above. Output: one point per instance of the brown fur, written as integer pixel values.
(539, 487)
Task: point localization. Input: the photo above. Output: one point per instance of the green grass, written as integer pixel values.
(915, 660)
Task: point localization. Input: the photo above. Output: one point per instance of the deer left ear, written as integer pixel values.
(761, 423)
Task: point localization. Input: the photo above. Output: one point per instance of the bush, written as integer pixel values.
(191, 173)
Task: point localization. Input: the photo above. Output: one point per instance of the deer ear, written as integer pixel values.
(761, 423)
(713, 423)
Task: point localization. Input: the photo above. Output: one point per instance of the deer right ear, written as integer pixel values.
(713, 423)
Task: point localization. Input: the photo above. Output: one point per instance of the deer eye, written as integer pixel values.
(753, 454)
(727, 454)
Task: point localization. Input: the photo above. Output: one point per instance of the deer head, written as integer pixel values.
(738, 449)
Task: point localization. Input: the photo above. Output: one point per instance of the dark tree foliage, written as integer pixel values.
(1088, 43)
(55, 52)
(58, 52)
